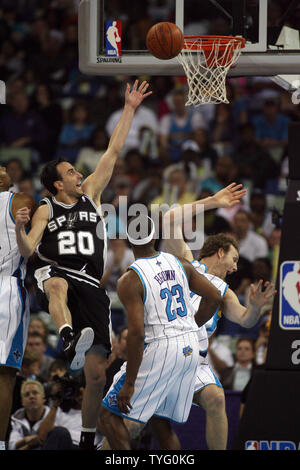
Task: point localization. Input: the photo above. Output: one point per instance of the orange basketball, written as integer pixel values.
(164, 40)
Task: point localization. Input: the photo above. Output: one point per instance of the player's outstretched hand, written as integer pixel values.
(258, 297)
(22, 217)
(123, 398)
(137, 94)
(229, 196)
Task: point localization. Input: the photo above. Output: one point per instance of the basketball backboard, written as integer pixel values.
(259, 21)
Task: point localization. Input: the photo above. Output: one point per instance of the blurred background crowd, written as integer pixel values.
(173, 154)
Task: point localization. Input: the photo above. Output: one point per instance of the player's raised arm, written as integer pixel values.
(131, 294)
(28, 242)
(98, 180)
(174, 218)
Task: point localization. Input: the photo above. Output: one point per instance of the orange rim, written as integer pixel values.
(207, 43)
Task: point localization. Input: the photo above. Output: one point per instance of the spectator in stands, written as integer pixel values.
(121, 195)
(14, 85)
(34, 42)
(271, 127)
(78, 131)
(252, 245)
(261, 343)
(237, 96)
(29, 370)
(223, 126)
(261, 349)
(149, 187)
(103, 107)
(225, 172)
(14, 169)
(51, 112)
(261, 269)
(237, 377)
(37, 342)
(21, 126)
(70, 45)
(195, 169)
(143, 118)
(25, 422)
(26, 186)
(58, 367)
(177, 126)
(88, 156)
(205, 149)
(253, 160)
(60, 429)
(10, 61)
(37, 325)
(135, 166)
(175, 190)
(52, 64)
(261, 218)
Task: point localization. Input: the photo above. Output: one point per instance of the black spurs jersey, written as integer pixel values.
(75, 237)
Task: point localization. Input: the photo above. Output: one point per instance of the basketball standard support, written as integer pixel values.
(271, 418)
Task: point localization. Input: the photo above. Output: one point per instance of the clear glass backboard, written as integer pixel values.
(270, 29)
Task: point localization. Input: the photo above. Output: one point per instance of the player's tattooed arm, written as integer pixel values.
(131, 294)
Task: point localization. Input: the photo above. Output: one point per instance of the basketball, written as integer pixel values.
(164, 40)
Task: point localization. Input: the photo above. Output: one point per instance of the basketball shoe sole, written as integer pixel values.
(76, 350)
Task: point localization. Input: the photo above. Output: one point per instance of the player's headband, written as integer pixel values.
(143, 241)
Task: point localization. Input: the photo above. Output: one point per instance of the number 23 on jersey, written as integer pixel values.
(169, 294)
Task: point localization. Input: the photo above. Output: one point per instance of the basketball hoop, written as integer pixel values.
(206, 61)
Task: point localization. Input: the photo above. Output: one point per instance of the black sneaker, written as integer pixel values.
(76, 349)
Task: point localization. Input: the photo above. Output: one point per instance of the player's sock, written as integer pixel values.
(2, 445)
(66, 333)
(87, 438)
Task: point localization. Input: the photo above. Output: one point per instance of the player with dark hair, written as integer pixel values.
(68, 234)
(162, 346)
(14, 304)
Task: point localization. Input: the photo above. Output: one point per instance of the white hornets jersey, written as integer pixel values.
(209, 328)
(168, 310)
(11, 262)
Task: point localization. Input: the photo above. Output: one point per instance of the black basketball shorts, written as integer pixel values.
(88, 303)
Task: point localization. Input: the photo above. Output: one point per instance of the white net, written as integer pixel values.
(206, 66)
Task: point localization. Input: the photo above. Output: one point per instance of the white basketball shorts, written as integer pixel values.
(14, 321)
(165, 383)
(205, 376)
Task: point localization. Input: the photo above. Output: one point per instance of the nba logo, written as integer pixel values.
(289, 304)
(113, 38)
(251, 445)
